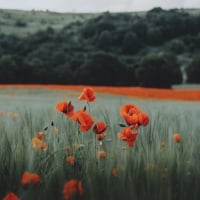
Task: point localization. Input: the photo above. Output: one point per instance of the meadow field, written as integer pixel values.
(46, 155)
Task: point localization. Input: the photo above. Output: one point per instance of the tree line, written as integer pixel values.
(128, 49)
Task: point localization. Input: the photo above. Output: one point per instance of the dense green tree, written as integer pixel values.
(131, 43)
(193, 70)
(104, 69)
(104, 40)
(159, 71)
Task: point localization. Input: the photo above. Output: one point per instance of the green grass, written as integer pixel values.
(23, 23)
(145, 171)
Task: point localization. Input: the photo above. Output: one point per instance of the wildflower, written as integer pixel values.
(11, 196)
(133, 115)
(114, 171)
(99, 127)
(84, 119)
(143, 119)
(128, 135)
(1, 113)
(70, 160)
(39, 144)
(30, 178)
(12, 115)
(87, 94)
(66, 108)
(73, 189)
(55, 130)
(177, 137)
(35, 179)
(40, 135)
(25, 178)
(101, 154)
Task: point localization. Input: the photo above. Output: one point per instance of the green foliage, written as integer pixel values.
(131, 43)
(104, 69)
(193, 70)
(58, 40)
(161, 71)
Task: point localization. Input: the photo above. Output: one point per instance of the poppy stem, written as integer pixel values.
(88, 106)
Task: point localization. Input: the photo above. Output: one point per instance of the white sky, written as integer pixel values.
(96, 5)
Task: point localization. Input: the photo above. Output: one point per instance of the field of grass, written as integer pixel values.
(22, 23)
(155, 168)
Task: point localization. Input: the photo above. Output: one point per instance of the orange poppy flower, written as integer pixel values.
(130, 113)
(40, 135)
(101, 154)
(11, 196)
(30, 178)
(87, 94)
(177, 137)
(114, 171)
(26, 177)
(39, 144)
(66, 108)
(35, 179)
(143, 119)
(70, 160)
(73, 189)
(84, 119)
(99, 127)
(128, 135)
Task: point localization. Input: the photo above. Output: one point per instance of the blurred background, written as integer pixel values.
(111, 43)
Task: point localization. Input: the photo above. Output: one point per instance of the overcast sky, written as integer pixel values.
(96, 5)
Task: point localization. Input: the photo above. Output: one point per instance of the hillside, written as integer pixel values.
(158, 48)
(23, 23)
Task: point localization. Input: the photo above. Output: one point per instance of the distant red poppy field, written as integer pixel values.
(138, 92)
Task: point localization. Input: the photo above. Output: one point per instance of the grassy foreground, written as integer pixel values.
(156, 167)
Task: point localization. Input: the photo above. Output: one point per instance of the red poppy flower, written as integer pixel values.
(30, 178)
(73, 189)
(66, 108)
(26, 177)
(11, 196)
(128, 135)
(101, 154)
(70, 160)
(40, 135)
(39, 144)
(87, 94)
(177, 137)
(84, 119)
(130, 113)
(35, 179)
(133, 115)
(143, 119)
(114, 171)
(99, 127)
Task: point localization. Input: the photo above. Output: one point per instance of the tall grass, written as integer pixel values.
(155, 168)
